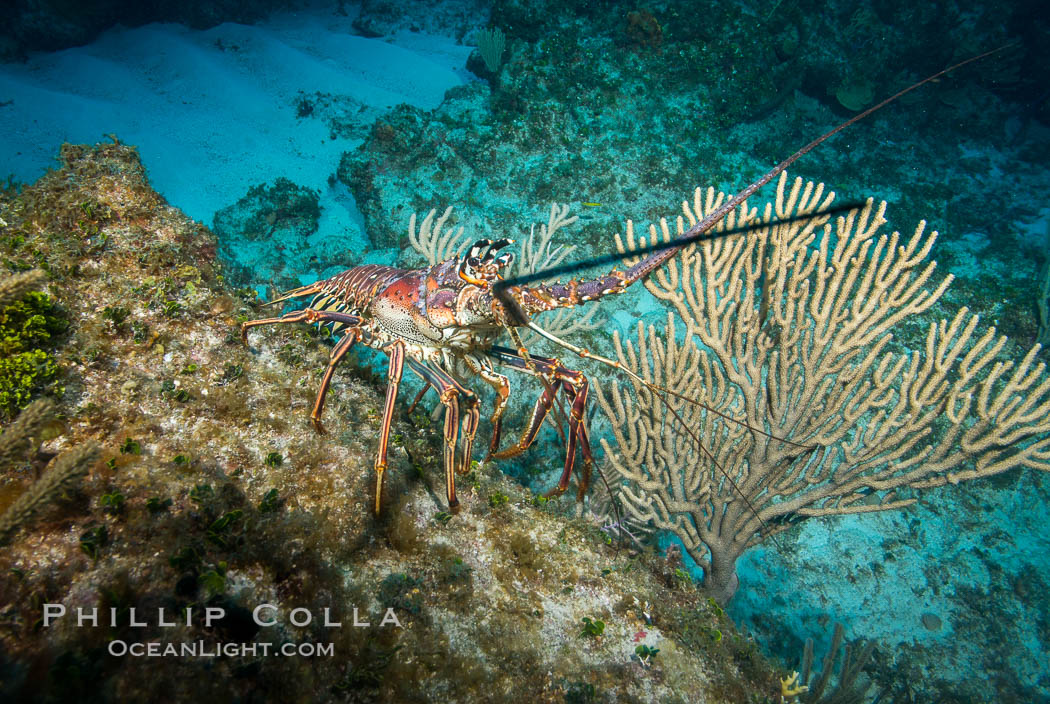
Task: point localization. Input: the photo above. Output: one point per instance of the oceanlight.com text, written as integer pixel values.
(202, 649)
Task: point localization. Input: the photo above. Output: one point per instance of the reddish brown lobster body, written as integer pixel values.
(436, 319)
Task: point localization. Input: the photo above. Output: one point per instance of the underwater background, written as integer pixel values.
(299, 138)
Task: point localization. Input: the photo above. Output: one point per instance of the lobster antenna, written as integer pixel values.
(700, 231)
(500, 287)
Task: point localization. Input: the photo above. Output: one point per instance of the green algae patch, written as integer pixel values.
(215, 493)
(28, 329)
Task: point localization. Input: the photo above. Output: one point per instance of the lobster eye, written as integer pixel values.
(468, 271)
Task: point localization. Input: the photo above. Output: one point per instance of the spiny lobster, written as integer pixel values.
(452, 312)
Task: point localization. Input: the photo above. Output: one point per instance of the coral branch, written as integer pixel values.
(63, 475)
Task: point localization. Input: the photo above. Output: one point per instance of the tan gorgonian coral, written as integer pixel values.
(63, 475)
(786, 338)
(433, 239)
(23, 431)
(437, 240)
(538, 254)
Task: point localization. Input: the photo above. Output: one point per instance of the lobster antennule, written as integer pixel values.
(547, 296)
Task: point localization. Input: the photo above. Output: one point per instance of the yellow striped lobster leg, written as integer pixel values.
(396, 351)
(575, 386)
(450, 392)
(338, 352)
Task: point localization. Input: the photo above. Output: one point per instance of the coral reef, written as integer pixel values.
(214, 493)
(278, 217)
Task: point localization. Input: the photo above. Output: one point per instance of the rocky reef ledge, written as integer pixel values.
(214, 497)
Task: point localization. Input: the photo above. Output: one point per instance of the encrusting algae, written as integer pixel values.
(212, 492)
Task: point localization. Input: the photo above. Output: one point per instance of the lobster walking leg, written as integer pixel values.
(306, 315)
(450, 392)
(483, 368)
(338, 352)
(310, 315)
(576, 419)
(539, 413)
(419, 397)
(396, 350)
(575, 386)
